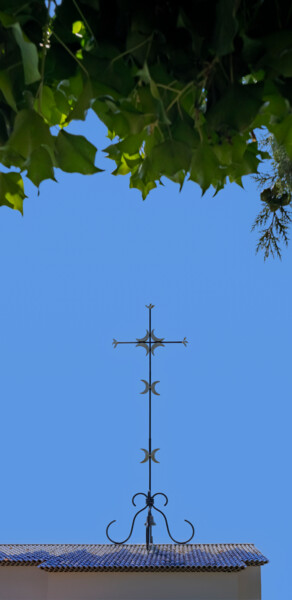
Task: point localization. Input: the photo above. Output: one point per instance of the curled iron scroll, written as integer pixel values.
(131, 530)
(161, 494)
(138, 494)
(167, 527)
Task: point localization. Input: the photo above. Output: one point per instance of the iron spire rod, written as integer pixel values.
(150, 343)
(149, 520)
(150, 407)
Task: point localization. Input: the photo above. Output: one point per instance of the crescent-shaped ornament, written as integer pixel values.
(146, 457)
(185, 342)
(149, 306)
(115, 343)
(156, 339)
(145, 338)
(150, 387)
(146, 386)
(143, 345)
(153, 455)
(153, 388)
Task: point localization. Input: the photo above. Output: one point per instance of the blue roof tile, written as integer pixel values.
(105, 557)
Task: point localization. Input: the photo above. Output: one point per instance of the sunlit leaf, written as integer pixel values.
(79, 29)
(12, 191)
(46, 104)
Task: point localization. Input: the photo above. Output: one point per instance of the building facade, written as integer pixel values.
(130, 572)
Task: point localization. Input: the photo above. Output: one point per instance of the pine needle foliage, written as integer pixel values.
(274, 219)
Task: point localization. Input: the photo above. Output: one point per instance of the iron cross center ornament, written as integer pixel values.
(150, 343)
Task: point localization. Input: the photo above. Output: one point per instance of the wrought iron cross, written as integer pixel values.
(150, 342)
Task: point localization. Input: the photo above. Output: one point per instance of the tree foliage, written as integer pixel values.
(181, 87)
(275, 217)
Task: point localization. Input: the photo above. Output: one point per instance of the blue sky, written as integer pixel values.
(76, 271)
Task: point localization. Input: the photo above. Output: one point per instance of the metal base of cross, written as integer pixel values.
(149, 503)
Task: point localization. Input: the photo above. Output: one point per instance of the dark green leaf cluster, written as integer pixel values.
(181, 87)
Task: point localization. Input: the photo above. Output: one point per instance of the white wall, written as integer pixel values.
(31, 583)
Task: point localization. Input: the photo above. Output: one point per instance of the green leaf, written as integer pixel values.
(250, 161)
(184, 131)
(29, 55)
(252, 48)
(132, 160)
(283, 133)
(274, 109)
(127, 163)
(144, 188)
(48, 107)
(231, 151)
(9, 158)
(111, 135)
(247, 165)
(114, 120)
(145, 76)
(28, 50)
(151, 104)
(29, 133)
(205, 168)
(226, 26)
(179, 178)
(6, 20)
(75, 154)
(170, 157)
(62, 102)
(6, 89)
(144, 73)
(79, 29)
(40, 166)
(142, 178)
(236, 109)
(277, 42)
(130, 145)
(83, 103)
(136, 121)
(122, 168)
(253, 77)
(157, 107)
(224, 152)
(12, 191)
(138, 44)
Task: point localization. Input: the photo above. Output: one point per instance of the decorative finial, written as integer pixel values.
(150, 342)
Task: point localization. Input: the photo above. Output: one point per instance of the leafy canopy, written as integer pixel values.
(181, 87)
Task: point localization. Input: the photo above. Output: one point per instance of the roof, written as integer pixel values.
(132, 557)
